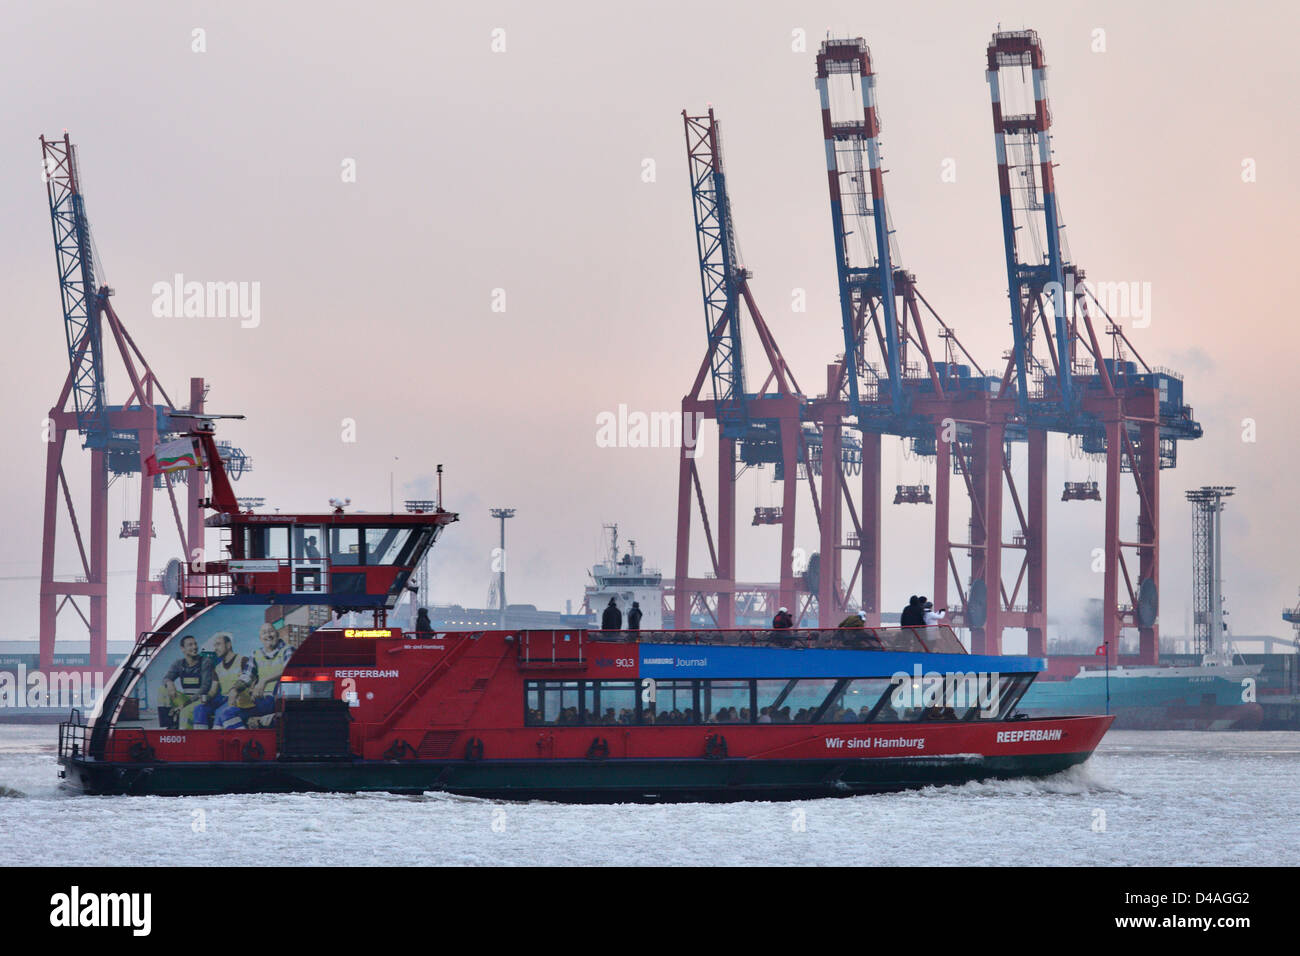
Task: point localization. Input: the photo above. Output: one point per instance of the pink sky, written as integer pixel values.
(522, 171)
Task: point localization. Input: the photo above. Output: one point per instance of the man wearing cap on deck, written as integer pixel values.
(782, 621)
(932, 617)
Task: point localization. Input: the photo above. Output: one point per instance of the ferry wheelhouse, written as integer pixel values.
(262, 684)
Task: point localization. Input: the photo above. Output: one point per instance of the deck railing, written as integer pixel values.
(938, 639)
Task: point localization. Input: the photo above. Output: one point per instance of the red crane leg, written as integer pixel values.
(726, 531)
(49, 595)
(789, 489)
(99, 559)
(194, 491)
(1036, 543)
(870, 542)
(1110, 546)
(986, 537)
(828, 585)
(681, 599)
(942, 516)
(144, 543)
(1149, 535)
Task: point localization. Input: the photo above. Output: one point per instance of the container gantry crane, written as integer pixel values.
(1060, 378)
(766, 426)
(889, 381)
(119, 437)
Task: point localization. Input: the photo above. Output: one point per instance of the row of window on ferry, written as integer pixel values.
(343, 546)
(768, 701)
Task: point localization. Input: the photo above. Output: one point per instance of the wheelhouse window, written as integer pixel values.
(416, 543)
(266, 541)
(345, 546)
(308, 543)
(383, 545)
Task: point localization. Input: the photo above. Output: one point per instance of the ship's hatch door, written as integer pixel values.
(315, 729)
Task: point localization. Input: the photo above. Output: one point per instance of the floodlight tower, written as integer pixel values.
(1207, 565)
(501, 514)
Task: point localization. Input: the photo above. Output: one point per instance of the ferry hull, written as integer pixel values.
(711, 716)
(574, 781)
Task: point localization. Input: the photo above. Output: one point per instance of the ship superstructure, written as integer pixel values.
(626, 579)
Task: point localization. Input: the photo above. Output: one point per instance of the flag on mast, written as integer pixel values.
(172, 456)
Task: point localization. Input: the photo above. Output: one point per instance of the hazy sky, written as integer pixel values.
(523, 171)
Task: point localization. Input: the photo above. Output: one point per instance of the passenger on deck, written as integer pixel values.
(612, 619)
(765, 715)
(782, 621)
(914, 614)
(933, 617)
(634, 617)
(854, 620)
(422, 623)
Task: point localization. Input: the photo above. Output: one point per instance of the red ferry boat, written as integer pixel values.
(256, 687)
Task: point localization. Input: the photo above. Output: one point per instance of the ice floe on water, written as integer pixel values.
(1144, 798)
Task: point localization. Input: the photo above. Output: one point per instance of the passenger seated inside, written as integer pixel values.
(939, 713)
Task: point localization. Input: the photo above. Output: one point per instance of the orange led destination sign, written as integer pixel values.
(372, 632)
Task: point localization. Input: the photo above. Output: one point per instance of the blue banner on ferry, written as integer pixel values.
(662, 661)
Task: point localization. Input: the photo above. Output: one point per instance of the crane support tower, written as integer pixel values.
(768, 425)
(890, 380)
(1060, 377)
(118, 437)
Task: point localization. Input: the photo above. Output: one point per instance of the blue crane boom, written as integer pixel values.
(82, 300)
(1036, 267)
(721, 275)
(865, 256)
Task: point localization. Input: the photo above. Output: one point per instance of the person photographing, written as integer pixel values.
(933, 617)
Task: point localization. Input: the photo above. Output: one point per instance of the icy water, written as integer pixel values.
(1144, 798)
